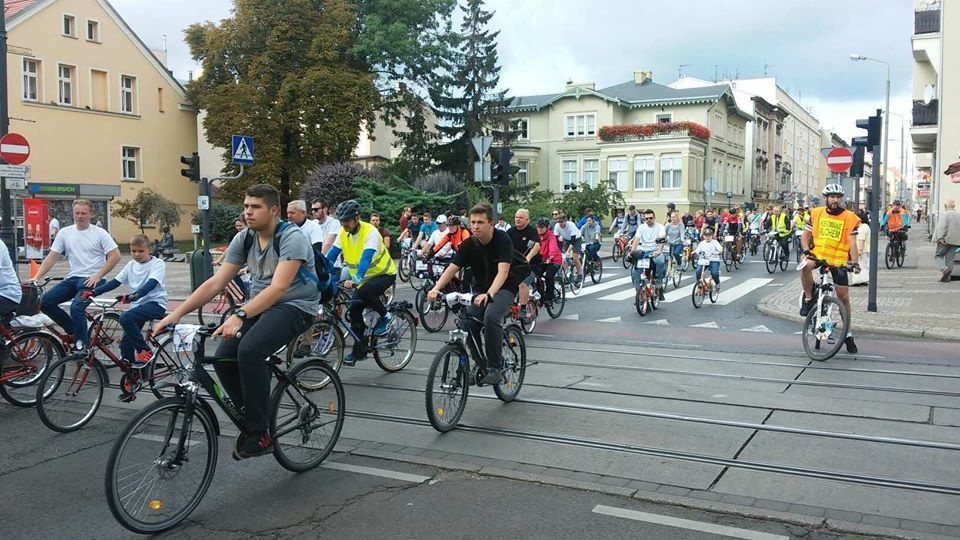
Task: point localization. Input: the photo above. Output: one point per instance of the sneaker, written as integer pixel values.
(252, 445)
(383, 325)
(353, 357)
(128, 390)
(660, 295)
(141, 359)
(806, 307)
(523, 313)
(493, 376)
(851, 346)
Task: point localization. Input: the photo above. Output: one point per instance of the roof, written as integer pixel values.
(12, 7)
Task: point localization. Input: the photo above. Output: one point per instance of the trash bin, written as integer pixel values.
(201, 267)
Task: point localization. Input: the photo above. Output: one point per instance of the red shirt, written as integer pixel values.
(731, 218)
(549, 250)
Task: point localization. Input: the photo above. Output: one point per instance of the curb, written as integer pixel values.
(940, 334)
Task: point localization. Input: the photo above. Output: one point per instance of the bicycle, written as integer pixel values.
(592, 266)
(775, 254)
(569, 276)
(828, 321)
(538, 300)
(450, 375)
(731, 255)
(896, 249)
(620, 242)
(648, 296)
(25, 355)
(70, 392)
(797, 246)
(753, 241)
(160, 446)
(433, 315)
(705, 286)
(403, 263)
(674, 270)
(687, 256)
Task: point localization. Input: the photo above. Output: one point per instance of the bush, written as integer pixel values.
(222, 217)
(335, 182)
(444, 183)
(389, 199)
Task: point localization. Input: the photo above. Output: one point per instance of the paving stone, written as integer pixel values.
(950, 531)
(435, 454)
(390, 448)
(412, 451)
(808, 510)
(673, 490)
(881, 521)
(584, 477)
(737, 499)
(614, 481)
(505, 465)
(534, 469)
(772, 505)
(844, 515)
(706, 495)
(919, 526)
(643, 486)
(558, 473)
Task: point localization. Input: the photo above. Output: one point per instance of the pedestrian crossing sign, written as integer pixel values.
(241, 148)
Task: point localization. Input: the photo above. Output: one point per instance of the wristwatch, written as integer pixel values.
(241, 314)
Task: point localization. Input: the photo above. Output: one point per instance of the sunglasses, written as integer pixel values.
(316, 209)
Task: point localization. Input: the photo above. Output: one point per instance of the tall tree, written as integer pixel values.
(283, 71)
(417, 140)
(467, 98)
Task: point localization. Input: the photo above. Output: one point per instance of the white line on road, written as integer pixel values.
(743, 289)
(158, 438)
(396, 475)
(679, 523)
(630, 293)
(672, 345)
(591, 289)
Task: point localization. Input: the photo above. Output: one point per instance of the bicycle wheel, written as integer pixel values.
(799, 254)
(766, 248)
(514, 365)
(596, 271)
(772, 260)
(418, 278)
(737, 257)
(624, 261)
(402, 271)
(677, 273)
(785, 260)
(528, 324)
(433, 315)
(655, 299)
(70, 392)
(575, 282)
(30, 356)
(640, 301)
(901, 254)
(322, 340)
(714, 292)
(889, 257)
(825, 331)
(395, 350)
(615, 255)
(447, 387)
(555, 306)
(727, 257)
(308, 411)
(162, 374)
(697, 295)
(145, 470)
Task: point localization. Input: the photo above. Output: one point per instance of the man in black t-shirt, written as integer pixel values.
(526, 241)
(498, 270)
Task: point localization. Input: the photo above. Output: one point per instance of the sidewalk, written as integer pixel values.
(911, 301)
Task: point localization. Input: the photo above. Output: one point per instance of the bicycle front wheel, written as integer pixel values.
(697, 295)
(30, 355)
(70, 392)
(308, 411)
(161, 466)
(395, 350)
(901, 254)
(825, 331)
(433, 315)
(162, 373)
(514, 364)
(615, 255)
(576, 283)
(555, 306)
(448, 383)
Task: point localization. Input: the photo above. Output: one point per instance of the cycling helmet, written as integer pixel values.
(832, 189)
(441, 219)
(543, 222)
(348, 209)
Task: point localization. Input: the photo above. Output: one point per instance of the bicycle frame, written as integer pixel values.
(345, 329)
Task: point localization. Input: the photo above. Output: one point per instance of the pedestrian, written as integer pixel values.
(863, 248)
(54, 228)
(947, 238)
(405, 217)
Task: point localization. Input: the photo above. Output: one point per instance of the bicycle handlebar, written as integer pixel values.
(455, 298)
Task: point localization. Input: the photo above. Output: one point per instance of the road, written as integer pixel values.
(712, 416)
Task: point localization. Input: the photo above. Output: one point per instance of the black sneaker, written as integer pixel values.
(806, 307)
(851, 346)
(252, 445)
(493, 376)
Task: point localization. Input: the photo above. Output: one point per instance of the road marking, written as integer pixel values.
(672, 345)
(631, 292)
(659, 322)
(710, 324)
(590, 289)
(158, 438)
(574, 317)
(371, 471)
(679, 523)
(759, 328)
(611, 319)
(731, 295)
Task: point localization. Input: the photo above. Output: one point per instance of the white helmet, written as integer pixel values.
(832, 189)
(441, 218)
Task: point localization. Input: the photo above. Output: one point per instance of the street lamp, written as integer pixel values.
(886, 120)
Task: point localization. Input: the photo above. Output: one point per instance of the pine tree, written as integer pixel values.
(417, 140)
(467, 97)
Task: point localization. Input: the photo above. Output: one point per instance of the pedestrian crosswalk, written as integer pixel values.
(734, 288)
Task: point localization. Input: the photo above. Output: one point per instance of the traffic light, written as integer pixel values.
(874, 127)
(500, 174)
(192, 169)
(856, 169)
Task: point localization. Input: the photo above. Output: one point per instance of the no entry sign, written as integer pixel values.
(839, 159)
(14, 148)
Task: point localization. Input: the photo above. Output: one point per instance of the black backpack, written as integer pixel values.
(324, 281)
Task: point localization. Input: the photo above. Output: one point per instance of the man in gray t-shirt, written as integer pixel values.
(283, 302)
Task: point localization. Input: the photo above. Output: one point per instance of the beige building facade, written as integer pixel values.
(104, 117)
(640, 138)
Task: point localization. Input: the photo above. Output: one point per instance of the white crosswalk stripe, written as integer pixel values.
(743, 289)
(603, 286)
(629, 293)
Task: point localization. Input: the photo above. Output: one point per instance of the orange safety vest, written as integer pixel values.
(894, 221)
(831, 235)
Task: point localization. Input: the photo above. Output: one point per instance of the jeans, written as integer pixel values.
(132, 322)
(74, 324)
(659, 268)
(492, 317)
(367, 296)
(785, 244)
(714, 271)
(677, 251)
(592, 249)
(247, 380)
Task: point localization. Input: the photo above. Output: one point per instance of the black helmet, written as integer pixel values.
(348, 209)
(543, 222)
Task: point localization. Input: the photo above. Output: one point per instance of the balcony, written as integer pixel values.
(925, 114)
(926, 21)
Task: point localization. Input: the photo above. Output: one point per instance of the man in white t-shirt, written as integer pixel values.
(92, 255)
(297, 214)
(329, 226)
(650, 239)
(54, 228)
(436, 235)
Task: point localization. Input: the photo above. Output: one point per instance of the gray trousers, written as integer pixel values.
(492, 317)
(945, 258)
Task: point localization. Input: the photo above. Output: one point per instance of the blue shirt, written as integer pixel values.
(427, 230)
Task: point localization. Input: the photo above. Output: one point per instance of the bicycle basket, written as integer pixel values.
(30, 300)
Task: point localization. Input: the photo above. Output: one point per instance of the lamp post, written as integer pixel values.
(886, 114)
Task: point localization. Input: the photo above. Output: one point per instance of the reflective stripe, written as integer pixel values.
(831, 235)
(352, 247)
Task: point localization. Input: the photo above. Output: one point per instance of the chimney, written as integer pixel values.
(642, 76)
(586, 85)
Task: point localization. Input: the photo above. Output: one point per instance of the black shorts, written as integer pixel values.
(734, 228)
(840, 277)
(575, 242)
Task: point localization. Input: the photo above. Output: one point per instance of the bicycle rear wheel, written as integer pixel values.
(395, 350)
(575, 282)
(514, 364)
(824, 332)
(308, 411)
(530, 322)
(30, 355)
(727, 257)
(145, 470)
(555, 306)
(615, 255)
(596, 271)
(70, 393)
(447, 387)
(677, 272)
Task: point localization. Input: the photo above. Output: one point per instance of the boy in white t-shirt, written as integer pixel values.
(145, 275)
(711, 250)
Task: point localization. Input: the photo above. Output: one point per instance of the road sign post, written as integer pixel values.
(14, 151)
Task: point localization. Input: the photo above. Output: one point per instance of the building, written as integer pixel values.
(828, 141)
(652, 143)
(935, 126)
(795, 137)
(104, 117)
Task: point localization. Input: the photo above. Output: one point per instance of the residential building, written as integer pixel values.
(769, 180)
(652, 143)
(104, 116)
(935, 126)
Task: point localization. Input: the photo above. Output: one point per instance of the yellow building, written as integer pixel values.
(104, 117)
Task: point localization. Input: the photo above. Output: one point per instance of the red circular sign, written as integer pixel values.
(14, 148)
(839, 159)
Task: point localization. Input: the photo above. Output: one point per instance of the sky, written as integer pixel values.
(806, 44)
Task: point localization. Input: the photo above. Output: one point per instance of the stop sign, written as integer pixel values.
(839, 159)
(14, 148)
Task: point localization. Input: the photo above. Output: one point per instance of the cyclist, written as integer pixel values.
(569, 234)
(617, 223)
(436, 235)
(283, 302)
(10, 291)
(631, 221)
(778, 223)
(426, 229)
(551, 258)
(710, 220)
(525, 240)
(650, 238)
(833, 231)
(411, 230)
(675, 233)
(498, 270)
(297, 214)
(590, 233)
(457, 233)
(87, 247)
(329, 227)
(896, 221)
(712, 250)
(733, 225)
(371, 270)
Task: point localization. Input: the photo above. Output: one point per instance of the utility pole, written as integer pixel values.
(7, 232)
(874, 230)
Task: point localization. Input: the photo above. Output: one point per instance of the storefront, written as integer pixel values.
(52, 200)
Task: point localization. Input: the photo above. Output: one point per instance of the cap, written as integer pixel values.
(441, 218)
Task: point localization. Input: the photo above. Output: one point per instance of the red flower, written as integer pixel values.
(693, 129)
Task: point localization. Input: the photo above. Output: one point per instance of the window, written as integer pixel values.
(591, 171)
(93, 31)
(127, 89)
(129, 157)
(665, 118)
(31, 79)
(617, 173)
(69, 26)
(520, 125)
(581, 125)
(522, 178)
(643, 171)
(570, 180)
(65, 84)
(671, 171)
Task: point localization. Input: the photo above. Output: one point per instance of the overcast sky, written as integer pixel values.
(804, 43)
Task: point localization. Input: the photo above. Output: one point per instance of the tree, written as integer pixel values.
(601, 199)
(417, 140)
(336, 182)
(391, 197)
(148, 207)
(444, 183)
(284, 72)
(466, 99)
